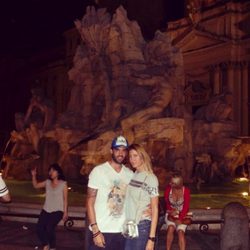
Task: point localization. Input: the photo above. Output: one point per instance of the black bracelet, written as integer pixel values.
(152, 238)
(93, 224)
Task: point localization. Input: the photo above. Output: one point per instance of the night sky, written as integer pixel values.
(28, 26)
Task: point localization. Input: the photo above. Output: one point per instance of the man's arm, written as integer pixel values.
(65, 202)
(4, 192)
(6, 198)
(91, 197)
(97, 235)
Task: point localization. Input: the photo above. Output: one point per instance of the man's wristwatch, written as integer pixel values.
(152, 239)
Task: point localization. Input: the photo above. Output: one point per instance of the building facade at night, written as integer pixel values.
(215, 42)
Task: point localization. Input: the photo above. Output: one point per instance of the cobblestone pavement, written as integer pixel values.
(22, 236)
(195, 241)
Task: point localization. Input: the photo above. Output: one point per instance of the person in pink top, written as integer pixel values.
(177, 198)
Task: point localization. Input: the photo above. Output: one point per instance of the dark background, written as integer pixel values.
(30, 26)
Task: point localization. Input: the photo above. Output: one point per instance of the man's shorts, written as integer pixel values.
(182, 227)
(3, 189)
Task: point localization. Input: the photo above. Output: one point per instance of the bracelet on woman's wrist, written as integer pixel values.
(152, 239)
(93, 224)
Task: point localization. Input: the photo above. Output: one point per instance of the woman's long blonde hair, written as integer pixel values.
(147, 164)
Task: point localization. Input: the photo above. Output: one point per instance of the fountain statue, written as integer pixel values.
(122, 85)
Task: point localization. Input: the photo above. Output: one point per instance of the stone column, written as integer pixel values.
(237, 96)
(230, 77)
(216, 80)
(235, 226)
(231, 86)
(245, 99)
(188, 146)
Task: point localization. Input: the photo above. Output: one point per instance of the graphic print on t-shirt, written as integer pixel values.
(116, 198)
(152, 191)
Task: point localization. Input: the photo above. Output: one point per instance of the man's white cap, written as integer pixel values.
(119, 141)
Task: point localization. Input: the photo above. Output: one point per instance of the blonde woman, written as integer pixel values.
(142, 196)
(177, 198)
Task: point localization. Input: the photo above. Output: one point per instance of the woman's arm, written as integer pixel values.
(65, 202)
(186, 204)
(154, 221)
(35, 183)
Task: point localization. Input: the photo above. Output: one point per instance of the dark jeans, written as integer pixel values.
(140, 242)
(46, 227)
(114, 241)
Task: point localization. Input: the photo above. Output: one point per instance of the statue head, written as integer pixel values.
(37, 93)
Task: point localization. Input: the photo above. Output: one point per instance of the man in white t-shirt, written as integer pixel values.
(105, 201)
(4, 192)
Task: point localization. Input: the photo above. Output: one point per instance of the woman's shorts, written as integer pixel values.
(181, 227)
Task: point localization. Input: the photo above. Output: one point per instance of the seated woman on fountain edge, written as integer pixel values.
(177, 198)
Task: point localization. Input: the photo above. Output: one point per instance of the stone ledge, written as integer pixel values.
(35, 209)
(201, 215)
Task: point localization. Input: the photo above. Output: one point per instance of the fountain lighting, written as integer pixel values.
(208, 208)
(243, 179)
(39, 195)
(244, 194)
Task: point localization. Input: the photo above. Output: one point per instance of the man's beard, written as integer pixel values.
(116, 160)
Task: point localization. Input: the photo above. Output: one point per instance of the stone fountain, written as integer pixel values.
(123, 85)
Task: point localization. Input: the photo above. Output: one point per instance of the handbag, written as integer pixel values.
(130, 227)
(187, 221)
